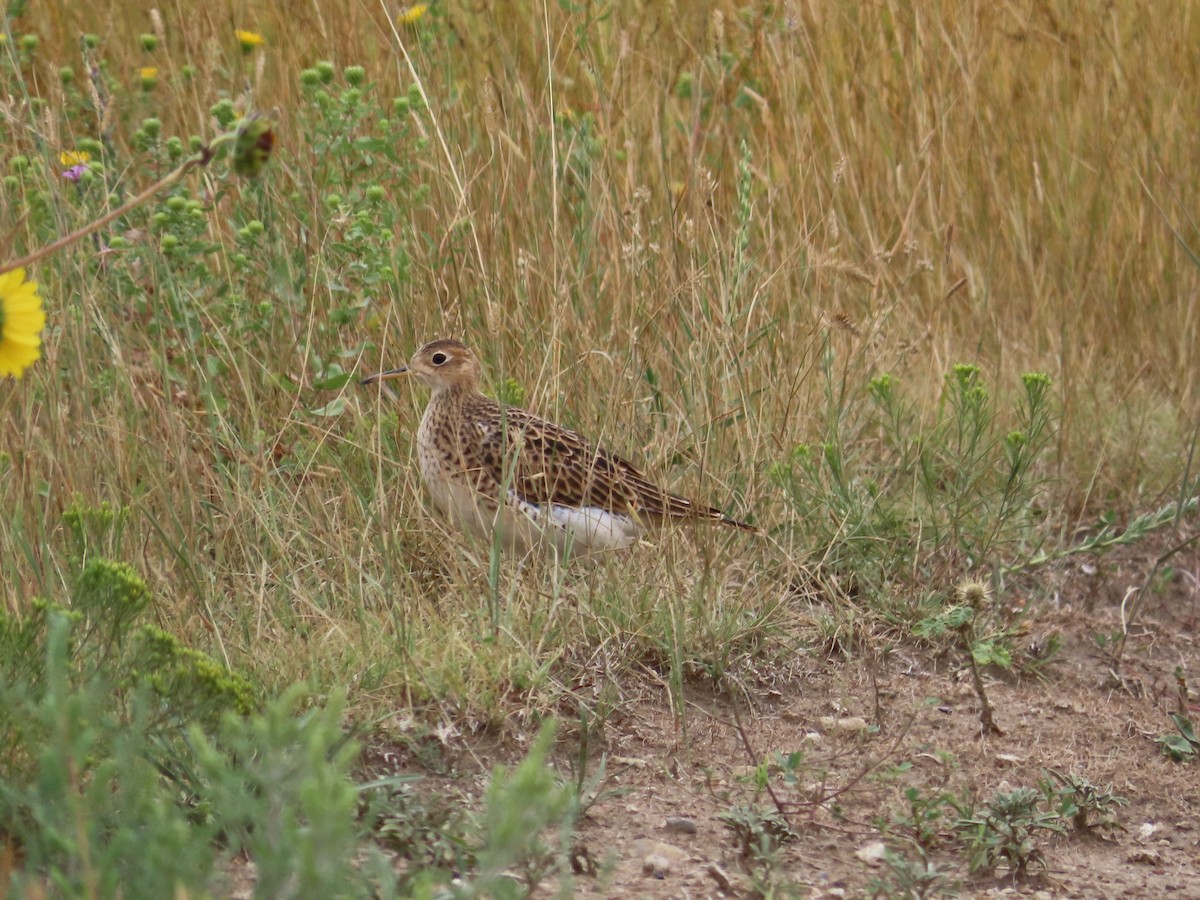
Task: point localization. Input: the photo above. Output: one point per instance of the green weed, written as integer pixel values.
(1085, 805)
(892, 499)
(1008, 831)
(1183, 745)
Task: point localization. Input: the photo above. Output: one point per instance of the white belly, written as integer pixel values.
(520, 527)
(577, 529)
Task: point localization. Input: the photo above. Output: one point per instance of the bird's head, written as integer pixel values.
(443, 365)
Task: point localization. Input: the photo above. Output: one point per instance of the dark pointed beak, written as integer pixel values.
(384, 376)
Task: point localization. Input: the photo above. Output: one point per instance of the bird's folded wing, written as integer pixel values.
(546, 463)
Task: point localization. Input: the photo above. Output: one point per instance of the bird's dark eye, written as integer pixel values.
(438, 358)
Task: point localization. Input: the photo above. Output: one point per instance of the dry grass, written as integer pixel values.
(659, 222)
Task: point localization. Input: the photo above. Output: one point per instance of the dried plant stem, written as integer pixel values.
(986, 721)
(753, 757)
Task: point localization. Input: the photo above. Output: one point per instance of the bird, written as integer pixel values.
(501, 472)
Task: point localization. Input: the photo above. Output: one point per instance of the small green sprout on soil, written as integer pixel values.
(759, 833)
(912, 878)
(915, 832)
(924, 821)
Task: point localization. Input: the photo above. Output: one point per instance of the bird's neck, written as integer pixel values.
(454, 398)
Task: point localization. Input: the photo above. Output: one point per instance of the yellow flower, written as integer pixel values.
(248, 39)
(148, 73)
(74, 157)
(21, 323)
(410, 15)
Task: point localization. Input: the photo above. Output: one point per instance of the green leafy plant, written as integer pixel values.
(430, 829)
(107, 644)
(889, 494)
(910, 877)
(277, 787)
(522, 807)
(1008, 831)
(759, 834)
(757, 831)
(914, 831)
(1182, 745)
(94, 705)
(84, 796)
(1085, 805)
(1109, 535)
(924, 820)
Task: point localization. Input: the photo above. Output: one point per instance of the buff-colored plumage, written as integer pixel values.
(499, 470)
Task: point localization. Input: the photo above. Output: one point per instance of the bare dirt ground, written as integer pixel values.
(1082, 716)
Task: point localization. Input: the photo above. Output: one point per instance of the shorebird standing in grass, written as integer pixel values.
(497, 470)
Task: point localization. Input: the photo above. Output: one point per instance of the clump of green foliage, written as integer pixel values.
(94, 705)
(1007, 831)
(759, 833)
(1084, 805)
(890, 497)
(137, 764)
(1182, 745)
(904, 508)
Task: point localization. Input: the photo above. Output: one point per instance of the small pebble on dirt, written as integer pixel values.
(872, 854)
(681, 824)
(657, 866)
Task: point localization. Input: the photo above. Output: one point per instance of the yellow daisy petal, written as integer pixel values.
(22, 340)
(21, 300)
(14, 360)
(10, 281)
(21, 323)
